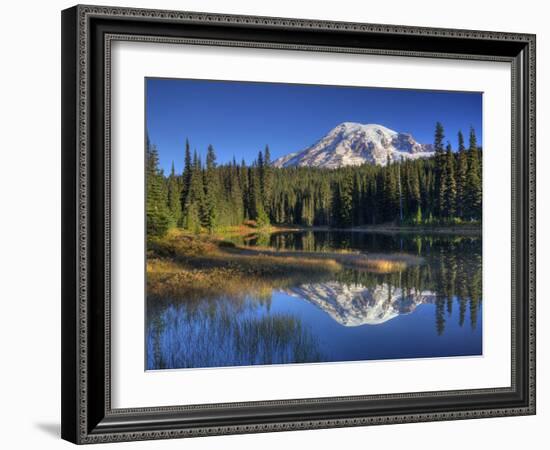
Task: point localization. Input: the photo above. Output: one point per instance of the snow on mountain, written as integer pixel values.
(353, 144)
(355, 305)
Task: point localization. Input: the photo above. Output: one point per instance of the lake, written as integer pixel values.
(430, 309)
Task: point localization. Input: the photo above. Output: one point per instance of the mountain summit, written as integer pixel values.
(353, 144)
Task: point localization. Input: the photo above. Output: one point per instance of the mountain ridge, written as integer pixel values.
(354, 144)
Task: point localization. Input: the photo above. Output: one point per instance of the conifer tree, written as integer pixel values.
(194, 206)
(307, 210)
(325, 202)
(440, 192)
(358, 195)
(267, 180)
(473, 179)
(212, 191)
(416, 205)
(236, 203)
(245, 188)
(344, 201)
(400, 191)
(450, 183)
(256, 207)
(157, 213)
(461, 176)
(186, 176)
(390, 192)
(174, 195)
(418, 216)
(261, 174)
(438, 138)
(461, 141)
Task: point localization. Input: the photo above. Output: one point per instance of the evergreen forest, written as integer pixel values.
(443, 190)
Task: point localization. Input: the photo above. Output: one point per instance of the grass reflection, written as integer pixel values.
(214, 335)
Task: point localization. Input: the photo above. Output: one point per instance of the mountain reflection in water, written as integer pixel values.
(354, 305)
(428, 310)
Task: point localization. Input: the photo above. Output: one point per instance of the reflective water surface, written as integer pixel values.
(432, 309)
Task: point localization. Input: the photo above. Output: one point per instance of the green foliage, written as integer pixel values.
(267, 180)
(194, 207)
(255, 202)
(439, 169)
(262, 219)
(418, 217)
(473, 191)
(439, 137)
(413, 187)
(461, 177)
(391, 194)
(186, 177)
(158, 218)
(343, 203)
(449, 181)
(174, 194)
(212, 188)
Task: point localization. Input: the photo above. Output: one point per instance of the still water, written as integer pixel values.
(431, 309)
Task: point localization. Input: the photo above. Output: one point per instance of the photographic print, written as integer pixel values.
(346, 209)
(293, 223)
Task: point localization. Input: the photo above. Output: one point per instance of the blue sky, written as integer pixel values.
(240, 118)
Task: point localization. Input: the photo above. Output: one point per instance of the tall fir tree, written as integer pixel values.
(256, 207)
(156, 208)
(450, 183)
(174, 195)
(236, 200)
(267, 181)
(212, 191)
(186, 176)
(307, 213)
(400, 190)
(193, 212)
(461, 176)
(261, 174)
(390, 192)
(344, 200)
(440, 192)
(416, 200)
(439, 137)
(473, 179)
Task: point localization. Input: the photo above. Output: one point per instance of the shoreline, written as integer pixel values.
(389, 229)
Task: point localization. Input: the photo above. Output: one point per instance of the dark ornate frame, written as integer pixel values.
(87, 34)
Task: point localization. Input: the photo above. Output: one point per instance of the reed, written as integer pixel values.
(216, 336)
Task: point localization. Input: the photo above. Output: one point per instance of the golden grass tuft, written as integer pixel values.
(384, 265)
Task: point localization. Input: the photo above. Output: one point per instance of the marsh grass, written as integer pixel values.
(213, 335)
(383, 263)
(183, 266)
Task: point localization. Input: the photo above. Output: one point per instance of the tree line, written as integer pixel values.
(444, 189)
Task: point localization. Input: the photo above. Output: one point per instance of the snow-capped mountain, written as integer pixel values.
(353, 144)
(354, 305)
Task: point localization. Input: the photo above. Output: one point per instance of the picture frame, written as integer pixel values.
(87, 412)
